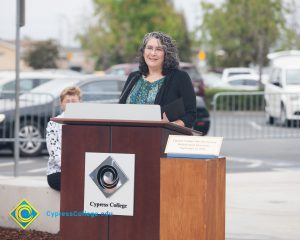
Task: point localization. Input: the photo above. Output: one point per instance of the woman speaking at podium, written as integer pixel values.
(159, 81)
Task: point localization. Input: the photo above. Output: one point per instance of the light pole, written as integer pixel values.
(20, 22)
(64, 30)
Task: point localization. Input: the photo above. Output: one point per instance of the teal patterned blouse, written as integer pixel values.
(144, 92)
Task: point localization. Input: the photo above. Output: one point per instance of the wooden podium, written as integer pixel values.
(173, 198)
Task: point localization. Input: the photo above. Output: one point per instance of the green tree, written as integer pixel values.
(243, 30)
(292, 39)
(121, 25)
(42, 54)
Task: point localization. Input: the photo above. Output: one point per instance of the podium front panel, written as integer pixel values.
(78, 139)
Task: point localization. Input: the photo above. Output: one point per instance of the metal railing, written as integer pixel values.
(252, 115)
(35, 110)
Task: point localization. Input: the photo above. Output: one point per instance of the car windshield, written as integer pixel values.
(293, 77)
(244, 81)
(238, 73)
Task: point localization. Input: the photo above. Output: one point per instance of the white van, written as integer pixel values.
(282, 91)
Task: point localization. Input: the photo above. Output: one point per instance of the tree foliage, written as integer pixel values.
(42, 54)
(121, 25)
(243, 31)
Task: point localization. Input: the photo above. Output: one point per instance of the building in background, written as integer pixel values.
(75, 59)
(69, 58)
(8, 56)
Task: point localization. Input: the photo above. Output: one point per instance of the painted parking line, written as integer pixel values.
(251, 163)
(255, 125)
(11, 163)
(37, 170)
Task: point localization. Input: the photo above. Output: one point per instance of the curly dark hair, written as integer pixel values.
(171, 60)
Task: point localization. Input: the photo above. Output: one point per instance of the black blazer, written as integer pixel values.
(177, 85)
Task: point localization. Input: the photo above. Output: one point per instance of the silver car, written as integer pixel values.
(40, 104)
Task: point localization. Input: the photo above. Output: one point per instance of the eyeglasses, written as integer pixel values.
(155, 49)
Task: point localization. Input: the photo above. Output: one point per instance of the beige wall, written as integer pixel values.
(8, 58)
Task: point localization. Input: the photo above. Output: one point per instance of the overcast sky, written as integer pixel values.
(62, 19)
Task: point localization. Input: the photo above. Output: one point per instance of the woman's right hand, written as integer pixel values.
(165, 118)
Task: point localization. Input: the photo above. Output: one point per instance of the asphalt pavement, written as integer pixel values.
(262, 189)
(263, 205)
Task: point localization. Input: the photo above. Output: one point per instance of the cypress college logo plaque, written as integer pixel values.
(109, 183)
(109, 177)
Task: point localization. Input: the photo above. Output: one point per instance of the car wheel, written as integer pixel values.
(282, 118)
(202, 126)
(269, 118)
(30, 139)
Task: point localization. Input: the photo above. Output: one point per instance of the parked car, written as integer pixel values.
(228, 72)
(282, 92)
(122, 69)
(28, 81)
(202, 123)
(41, 103)
(195, 76)
(242, 82)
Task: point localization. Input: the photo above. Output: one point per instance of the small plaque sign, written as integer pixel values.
(193, 146)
